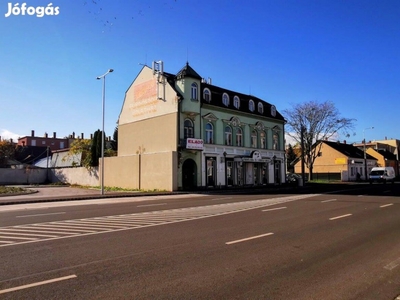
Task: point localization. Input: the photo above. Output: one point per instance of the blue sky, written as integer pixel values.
(284, 52)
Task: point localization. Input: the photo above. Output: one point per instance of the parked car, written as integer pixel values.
(293, 178)
(382, 174)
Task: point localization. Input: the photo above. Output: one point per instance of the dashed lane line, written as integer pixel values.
(98, 225)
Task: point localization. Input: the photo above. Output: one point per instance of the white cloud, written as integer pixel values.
(6, 135)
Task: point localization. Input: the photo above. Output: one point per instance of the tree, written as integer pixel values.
(315, 121)
(95, 148)
(290, 157)
(7, 151)
(81, 146)
(114, 142)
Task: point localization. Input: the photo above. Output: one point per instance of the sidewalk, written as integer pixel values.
(65, 193)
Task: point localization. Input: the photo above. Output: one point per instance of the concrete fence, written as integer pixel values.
(79, 175)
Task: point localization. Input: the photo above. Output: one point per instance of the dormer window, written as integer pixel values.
(225, 99)
(236, 102)
(251, 105)
(207, 95)
(273, 110)
(260, 108)
(193, 90)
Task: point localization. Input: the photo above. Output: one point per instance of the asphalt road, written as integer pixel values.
(312, 245)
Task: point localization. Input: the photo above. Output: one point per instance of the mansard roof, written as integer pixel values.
(216, 100)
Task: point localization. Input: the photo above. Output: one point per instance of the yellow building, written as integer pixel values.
(339, 161)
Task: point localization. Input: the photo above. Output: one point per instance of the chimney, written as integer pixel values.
(46, 135)
(32, 133)
(345, 142)
(82, 136)
(73, 135)
(54, 135)
(91, 136)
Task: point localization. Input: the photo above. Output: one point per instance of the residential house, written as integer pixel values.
(386, 151)
(339, 161)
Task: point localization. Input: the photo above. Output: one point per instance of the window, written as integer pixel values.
(188, 129)
(225, 99)
(251, 105)
(33, 142)
(239, 136)
(275, 139)
(236, 102)
(62, 145)
(263, 140)
(254, 139)
(260, 108)
(273, 110)
(228, 136)
(193, 91)
(209, 133)
(207, 95)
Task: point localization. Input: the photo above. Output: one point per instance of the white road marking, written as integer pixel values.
(17, 238)
(386, 205)
(40, 215)
(339, 217)
(393, 264)
(26, 234)
(330, 200)
(145, 205)
(224, 198)
(276, 208)
(249, 238)
(21, 287)
(100, 225)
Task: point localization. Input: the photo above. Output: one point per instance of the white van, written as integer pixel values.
(382, 174)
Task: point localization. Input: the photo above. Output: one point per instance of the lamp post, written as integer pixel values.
(226, 175)
(365, 153)
(303, 128)
(102, 127)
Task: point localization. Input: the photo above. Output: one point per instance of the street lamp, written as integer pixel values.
(102, 127)
(226, 175)
(365, 153)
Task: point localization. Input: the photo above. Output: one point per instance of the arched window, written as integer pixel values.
(188, 129)
(251, 105)
(225, 99)
(193, 90)
(260, 108)
(207, 95)
(239, 137)
(236, 102)
(228, 136)
(275, 139)
(209, 133)
(263, 140)
(254, 139)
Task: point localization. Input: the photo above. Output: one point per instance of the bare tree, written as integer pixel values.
(312, 121)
